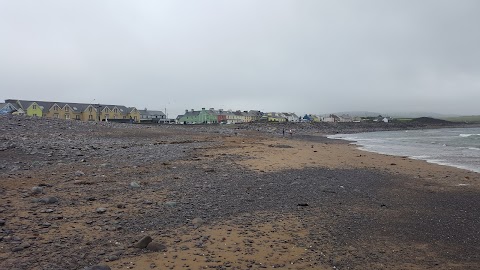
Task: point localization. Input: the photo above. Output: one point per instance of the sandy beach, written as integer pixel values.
(222, 198)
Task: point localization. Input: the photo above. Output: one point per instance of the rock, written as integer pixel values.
(143, 243)
(37, 190)
(154, 246)
(101, 210)
(302, 204)
(2, 222)
(98, 267)
(197, 221)
(17, 249)
(134, 184)
(121, 206)
(113, 257)
(49, 200)
(82, 182)
(79, 173)
(171, 204)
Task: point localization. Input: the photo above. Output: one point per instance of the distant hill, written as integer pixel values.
(464, 119)
(429, 120)
(360, 113)
(397, 114)
(419, 114)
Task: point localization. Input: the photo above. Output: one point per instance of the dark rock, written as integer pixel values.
(17, 249)
(98, 267)
(113, 257)
(2, 222)
(302, 204)
(143, 243)
(49, 200)
(154, 246)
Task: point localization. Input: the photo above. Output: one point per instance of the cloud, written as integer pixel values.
(303, 56)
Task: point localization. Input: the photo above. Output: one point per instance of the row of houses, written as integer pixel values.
(70, 110)
(212, 116)
(105, 112)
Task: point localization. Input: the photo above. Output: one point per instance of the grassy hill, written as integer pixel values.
(464, 119)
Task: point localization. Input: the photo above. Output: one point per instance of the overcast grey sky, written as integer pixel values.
(314, 56)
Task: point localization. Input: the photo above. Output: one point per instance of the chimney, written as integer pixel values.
(211, 109)
(203, 109)
(186, 111)
(192, 110)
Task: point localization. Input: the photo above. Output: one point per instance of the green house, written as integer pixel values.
(199, 117)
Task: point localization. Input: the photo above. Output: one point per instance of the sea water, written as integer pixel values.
(456, 147)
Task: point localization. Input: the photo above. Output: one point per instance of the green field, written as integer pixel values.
(467, 119)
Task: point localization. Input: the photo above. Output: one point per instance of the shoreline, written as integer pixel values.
(225, 199)
(361, 146)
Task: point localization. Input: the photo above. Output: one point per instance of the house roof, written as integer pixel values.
(76, 107)
(191, 114)
(151, 113)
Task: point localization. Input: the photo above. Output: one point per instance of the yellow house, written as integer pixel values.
(34, 109)
(276, 119)
(133, 114)
(76, 111)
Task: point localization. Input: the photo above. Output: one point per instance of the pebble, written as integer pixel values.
(171, 204)
(101, 210)
(197, 222)
(134, 184)
(37, 190)
(2, 222)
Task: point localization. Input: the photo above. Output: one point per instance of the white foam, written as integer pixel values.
(468, 135)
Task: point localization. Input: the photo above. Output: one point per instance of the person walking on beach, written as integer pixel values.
(291, 132)
(283, 131)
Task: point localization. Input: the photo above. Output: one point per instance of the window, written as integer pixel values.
(67, 109)
(90, 117)
(115, 110)
(67, 116)
(90, 109)
(56, 115)
(77, 117)
(34, 107)
(34, 114)
(55, 108)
